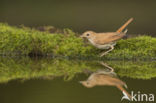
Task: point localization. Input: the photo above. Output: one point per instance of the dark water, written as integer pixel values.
(27, 80)
(58, 91)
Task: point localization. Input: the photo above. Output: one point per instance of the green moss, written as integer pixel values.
(26, 41)
(139, 47)
(26, 68)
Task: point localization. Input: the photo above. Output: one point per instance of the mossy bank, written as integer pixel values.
(25, 41)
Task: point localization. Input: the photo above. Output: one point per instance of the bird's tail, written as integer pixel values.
(124, 26)
(123, 90)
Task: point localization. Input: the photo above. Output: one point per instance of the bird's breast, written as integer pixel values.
(104, 46)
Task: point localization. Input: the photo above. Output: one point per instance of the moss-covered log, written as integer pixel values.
(26, 41)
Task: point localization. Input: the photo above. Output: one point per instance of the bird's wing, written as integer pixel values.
(117, 81)
(105, 38)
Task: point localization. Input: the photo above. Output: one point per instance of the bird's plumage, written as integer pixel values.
(104, 79)
(106, 40)
(101, 78)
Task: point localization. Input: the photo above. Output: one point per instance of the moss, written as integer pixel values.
(138, 47)
(26, 41)
(26, 68)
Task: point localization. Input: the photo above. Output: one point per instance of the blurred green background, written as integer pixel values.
(80, 15)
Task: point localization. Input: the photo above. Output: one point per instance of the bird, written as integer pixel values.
(106, 40)
(102, 78)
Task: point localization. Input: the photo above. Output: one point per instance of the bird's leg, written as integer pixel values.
(104, 64)
(112, 47)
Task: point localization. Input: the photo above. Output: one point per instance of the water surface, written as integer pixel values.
(38, 80)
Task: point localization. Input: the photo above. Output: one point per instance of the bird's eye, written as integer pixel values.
(87, 34)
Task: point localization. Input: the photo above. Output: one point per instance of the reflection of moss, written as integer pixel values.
(26, 41)
(26, 68)
(135, 69)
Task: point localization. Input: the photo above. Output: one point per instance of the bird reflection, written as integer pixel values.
(102, 78)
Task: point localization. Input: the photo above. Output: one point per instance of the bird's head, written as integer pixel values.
(88, 34)
(87, 84)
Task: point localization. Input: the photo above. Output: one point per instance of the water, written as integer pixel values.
(38, 80)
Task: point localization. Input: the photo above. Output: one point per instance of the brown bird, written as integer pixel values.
(101, 78)
(106, 40)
